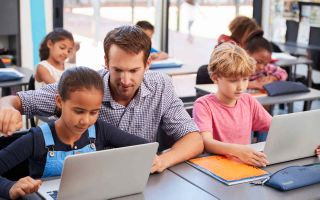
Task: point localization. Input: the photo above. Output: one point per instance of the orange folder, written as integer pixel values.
(227, 170)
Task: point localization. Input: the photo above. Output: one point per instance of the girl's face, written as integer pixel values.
(80, 110)
(263, 57)
(59, 51)
(230, 89)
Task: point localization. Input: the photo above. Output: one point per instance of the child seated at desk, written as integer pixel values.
(79, 98)
(148, 29)
(226, 119)
(260, 49)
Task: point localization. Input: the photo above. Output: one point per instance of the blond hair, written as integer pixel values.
(230, 60)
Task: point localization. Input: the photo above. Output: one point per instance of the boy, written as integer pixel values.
(148, 29)
(226, 119)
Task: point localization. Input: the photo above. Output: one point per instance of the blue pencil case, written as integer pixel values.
(285, 87)
(295, 177)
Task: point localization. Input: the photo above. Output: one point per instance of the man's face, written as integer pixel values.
(126, 73)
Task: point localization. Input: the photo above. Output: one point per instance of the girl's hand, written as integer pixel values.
(250, 156)
(23, 187)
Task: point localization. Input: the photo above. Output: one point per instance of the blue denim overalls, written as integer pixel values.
(55, 159)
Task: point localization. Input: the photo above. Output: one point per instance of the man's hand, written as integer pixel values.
(250, 156)
(158, 165)
(23, 187)
(10, 120)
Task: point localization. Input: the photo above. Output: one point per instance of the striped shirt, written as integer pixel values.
(155, 105)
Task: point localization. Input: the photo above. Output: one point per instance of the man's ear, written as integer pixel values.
(148, 63)
(106, 62)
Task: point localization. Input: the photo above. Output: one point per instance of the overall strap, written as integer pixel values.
(92, 132)
(47, 134)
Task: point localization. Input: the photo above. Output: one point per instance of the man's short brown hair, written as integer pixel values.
(131, 39)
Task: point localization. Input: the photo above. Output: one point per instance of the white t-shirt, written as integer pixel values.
(54, 72)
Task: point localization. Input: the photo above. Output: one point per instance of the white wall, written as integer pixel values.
(25, 30)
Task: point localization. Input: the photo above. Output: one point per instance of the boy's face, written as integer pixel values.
(126, 73)
(230, 89)
(263, 57)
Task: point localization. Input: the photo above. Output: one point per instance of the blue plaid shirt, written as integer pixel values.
(155, 104)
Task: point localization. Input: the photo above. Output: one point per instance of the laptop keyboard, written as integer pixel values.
(53, 194)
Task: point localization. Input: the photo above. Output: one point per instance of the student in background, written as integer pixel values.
(79, 98)
(226, 119)
(260, 49)
(54, 50)
(148, 29)
(240, 28)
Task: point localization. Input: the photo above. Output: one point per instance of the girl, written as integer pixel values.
(56, 47)
(227, 118)
(260, 49)
(80, 93)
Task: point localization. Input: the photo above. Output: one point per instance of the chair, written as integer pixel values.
(20, 170)
(292, 31)
(31, 86)
(202, 77)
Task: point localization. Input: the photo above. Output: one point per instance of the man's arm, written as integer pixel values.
(10, 114)
(185, 148)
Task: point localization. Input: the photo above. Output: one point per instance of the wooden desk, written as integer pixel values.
(314, 94)
(161, 186)
(247, 190)
(6, 85)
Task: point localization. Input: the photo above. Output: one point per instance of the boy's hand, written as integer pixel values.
(250, 156)
(10, 121)
(318, 150)
(158, 165)
(23, 187)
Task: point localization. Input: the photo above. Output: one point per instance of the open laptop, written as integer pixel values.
(103, 174)
(291, 136)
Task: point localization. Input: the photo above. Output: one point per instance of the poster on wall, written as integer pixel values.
(291, 10)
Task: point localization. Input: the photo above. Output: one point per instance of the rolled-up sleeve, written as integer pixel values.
(176, 122)
(39, 102)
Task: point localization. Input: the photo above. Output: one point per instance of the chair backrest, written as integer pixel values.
(314, 36)
(203, 75)
(292, 31)
(22, 169)
(31, 85)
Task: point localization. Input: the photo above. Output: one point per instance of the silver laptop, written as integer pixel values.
(103, 174)
(291, 136)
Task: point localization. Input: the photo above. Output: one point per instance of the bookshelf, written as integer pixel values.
(10, 29)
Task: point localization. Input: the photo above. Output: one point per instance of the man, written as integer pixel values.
(136, 100)
(149, 30)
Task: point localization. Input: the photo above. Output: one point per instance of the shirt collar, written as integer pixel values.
(143, 91)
